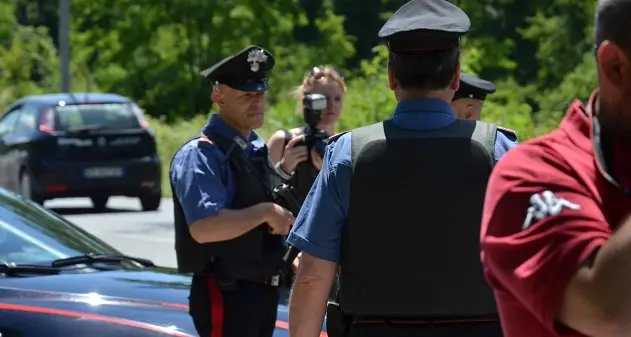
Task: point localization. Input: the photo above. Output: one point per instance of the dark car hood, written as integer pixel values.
(158, 285)
(156, 297)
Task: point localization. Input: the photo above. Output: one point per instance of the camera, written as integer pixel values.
(313, 106)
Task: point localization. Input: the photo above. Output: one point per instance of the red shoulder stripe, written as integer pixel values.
(205, 139)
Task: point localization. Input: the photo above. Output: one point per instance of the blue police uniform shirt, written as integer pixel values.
(200, 174)
(318, 227)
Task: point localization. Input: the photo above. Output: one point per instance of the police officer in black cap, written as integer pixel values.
(228, 231)
(397, 205)
(469, 99)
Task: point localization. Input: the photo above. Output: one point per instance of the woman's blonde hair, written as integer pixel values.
(316, 74)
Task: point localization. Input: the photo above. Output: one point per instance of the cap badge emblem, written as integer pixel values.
(255, 57)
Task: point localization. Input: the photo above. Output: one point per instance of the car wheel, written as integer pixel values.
(26, 189)
(99, 202)
(150, 202)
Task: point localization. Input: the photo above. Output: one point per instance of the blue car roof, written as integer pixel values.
(75, 98)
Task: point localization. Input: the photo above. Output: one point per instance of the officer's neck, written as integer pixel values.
(404, 94)
(245, 133)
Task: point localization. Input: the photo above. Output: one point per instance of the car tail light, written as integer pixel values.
(47, 121)
(56, 188)
(141, 117)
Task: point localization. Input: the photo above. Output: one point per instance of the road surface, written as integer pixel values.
(125, 227)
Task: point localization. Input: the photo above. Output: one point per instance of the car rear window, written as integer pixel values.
(109, 116)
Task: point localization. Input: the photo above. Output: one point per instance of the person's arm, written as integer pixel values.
(197, 179)
(318, 234)
(539, 249)
(309, 296)
(276, 146)
(597, 301)
(285, 155)
(229, 224)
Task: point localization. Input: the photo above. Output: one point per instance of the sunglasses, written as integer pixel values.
(318, 72)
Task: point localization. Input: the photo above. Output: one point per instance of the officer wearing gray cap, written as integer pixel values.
(397, 205)
(469, 100)
(228, 231)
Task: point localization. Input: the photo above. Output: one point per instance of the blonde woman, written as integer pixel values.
(285, 147)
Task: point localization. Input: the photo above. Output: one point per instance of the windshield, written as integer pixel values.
(30, 234)
(109, 116)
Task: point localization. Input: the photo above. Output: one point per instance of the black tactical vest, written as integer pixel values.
(254, 254)
(411, 244)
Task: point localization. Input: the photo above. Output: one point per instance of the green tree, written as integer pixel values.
(157, 52)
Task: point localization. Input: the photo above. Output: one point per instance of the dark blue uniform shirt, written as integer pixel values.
(200, 174)
(318, 227)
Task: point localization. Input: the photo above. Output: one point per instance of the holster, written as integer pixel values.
(337, 323)
(226, 283)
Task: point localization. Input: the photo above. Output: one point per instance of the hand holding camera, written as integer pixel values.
(294, 154)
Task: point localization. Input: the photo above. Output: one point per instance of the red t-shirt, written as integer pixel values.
(544, 215)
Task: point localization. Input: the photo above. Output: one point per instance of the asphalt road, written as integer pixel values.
(125, 227)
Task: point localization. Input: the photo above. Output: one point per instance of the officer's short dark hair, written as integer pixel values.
(430, 70)
(613, 23)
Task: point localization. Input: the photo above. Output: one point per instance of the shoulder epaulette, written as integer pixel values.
(337, 136)
(508, 131)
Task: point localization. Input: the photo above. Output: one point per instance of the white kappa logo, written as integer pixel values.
(546, 204)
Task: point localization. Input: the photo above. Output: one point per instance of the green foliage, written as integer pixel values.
(577, 84)
(170, 137)
(28, 64)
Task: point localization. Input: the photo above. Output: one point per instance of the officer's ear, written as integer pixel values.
(217, 96)
(613, 69)
(455, 79)
(469, 111)
(392, 79)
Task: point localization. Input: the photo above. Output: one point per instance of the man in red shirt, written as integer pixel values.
(556, 232)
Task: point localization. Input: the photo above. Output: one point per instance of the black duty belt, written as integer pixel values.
(273, 281)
